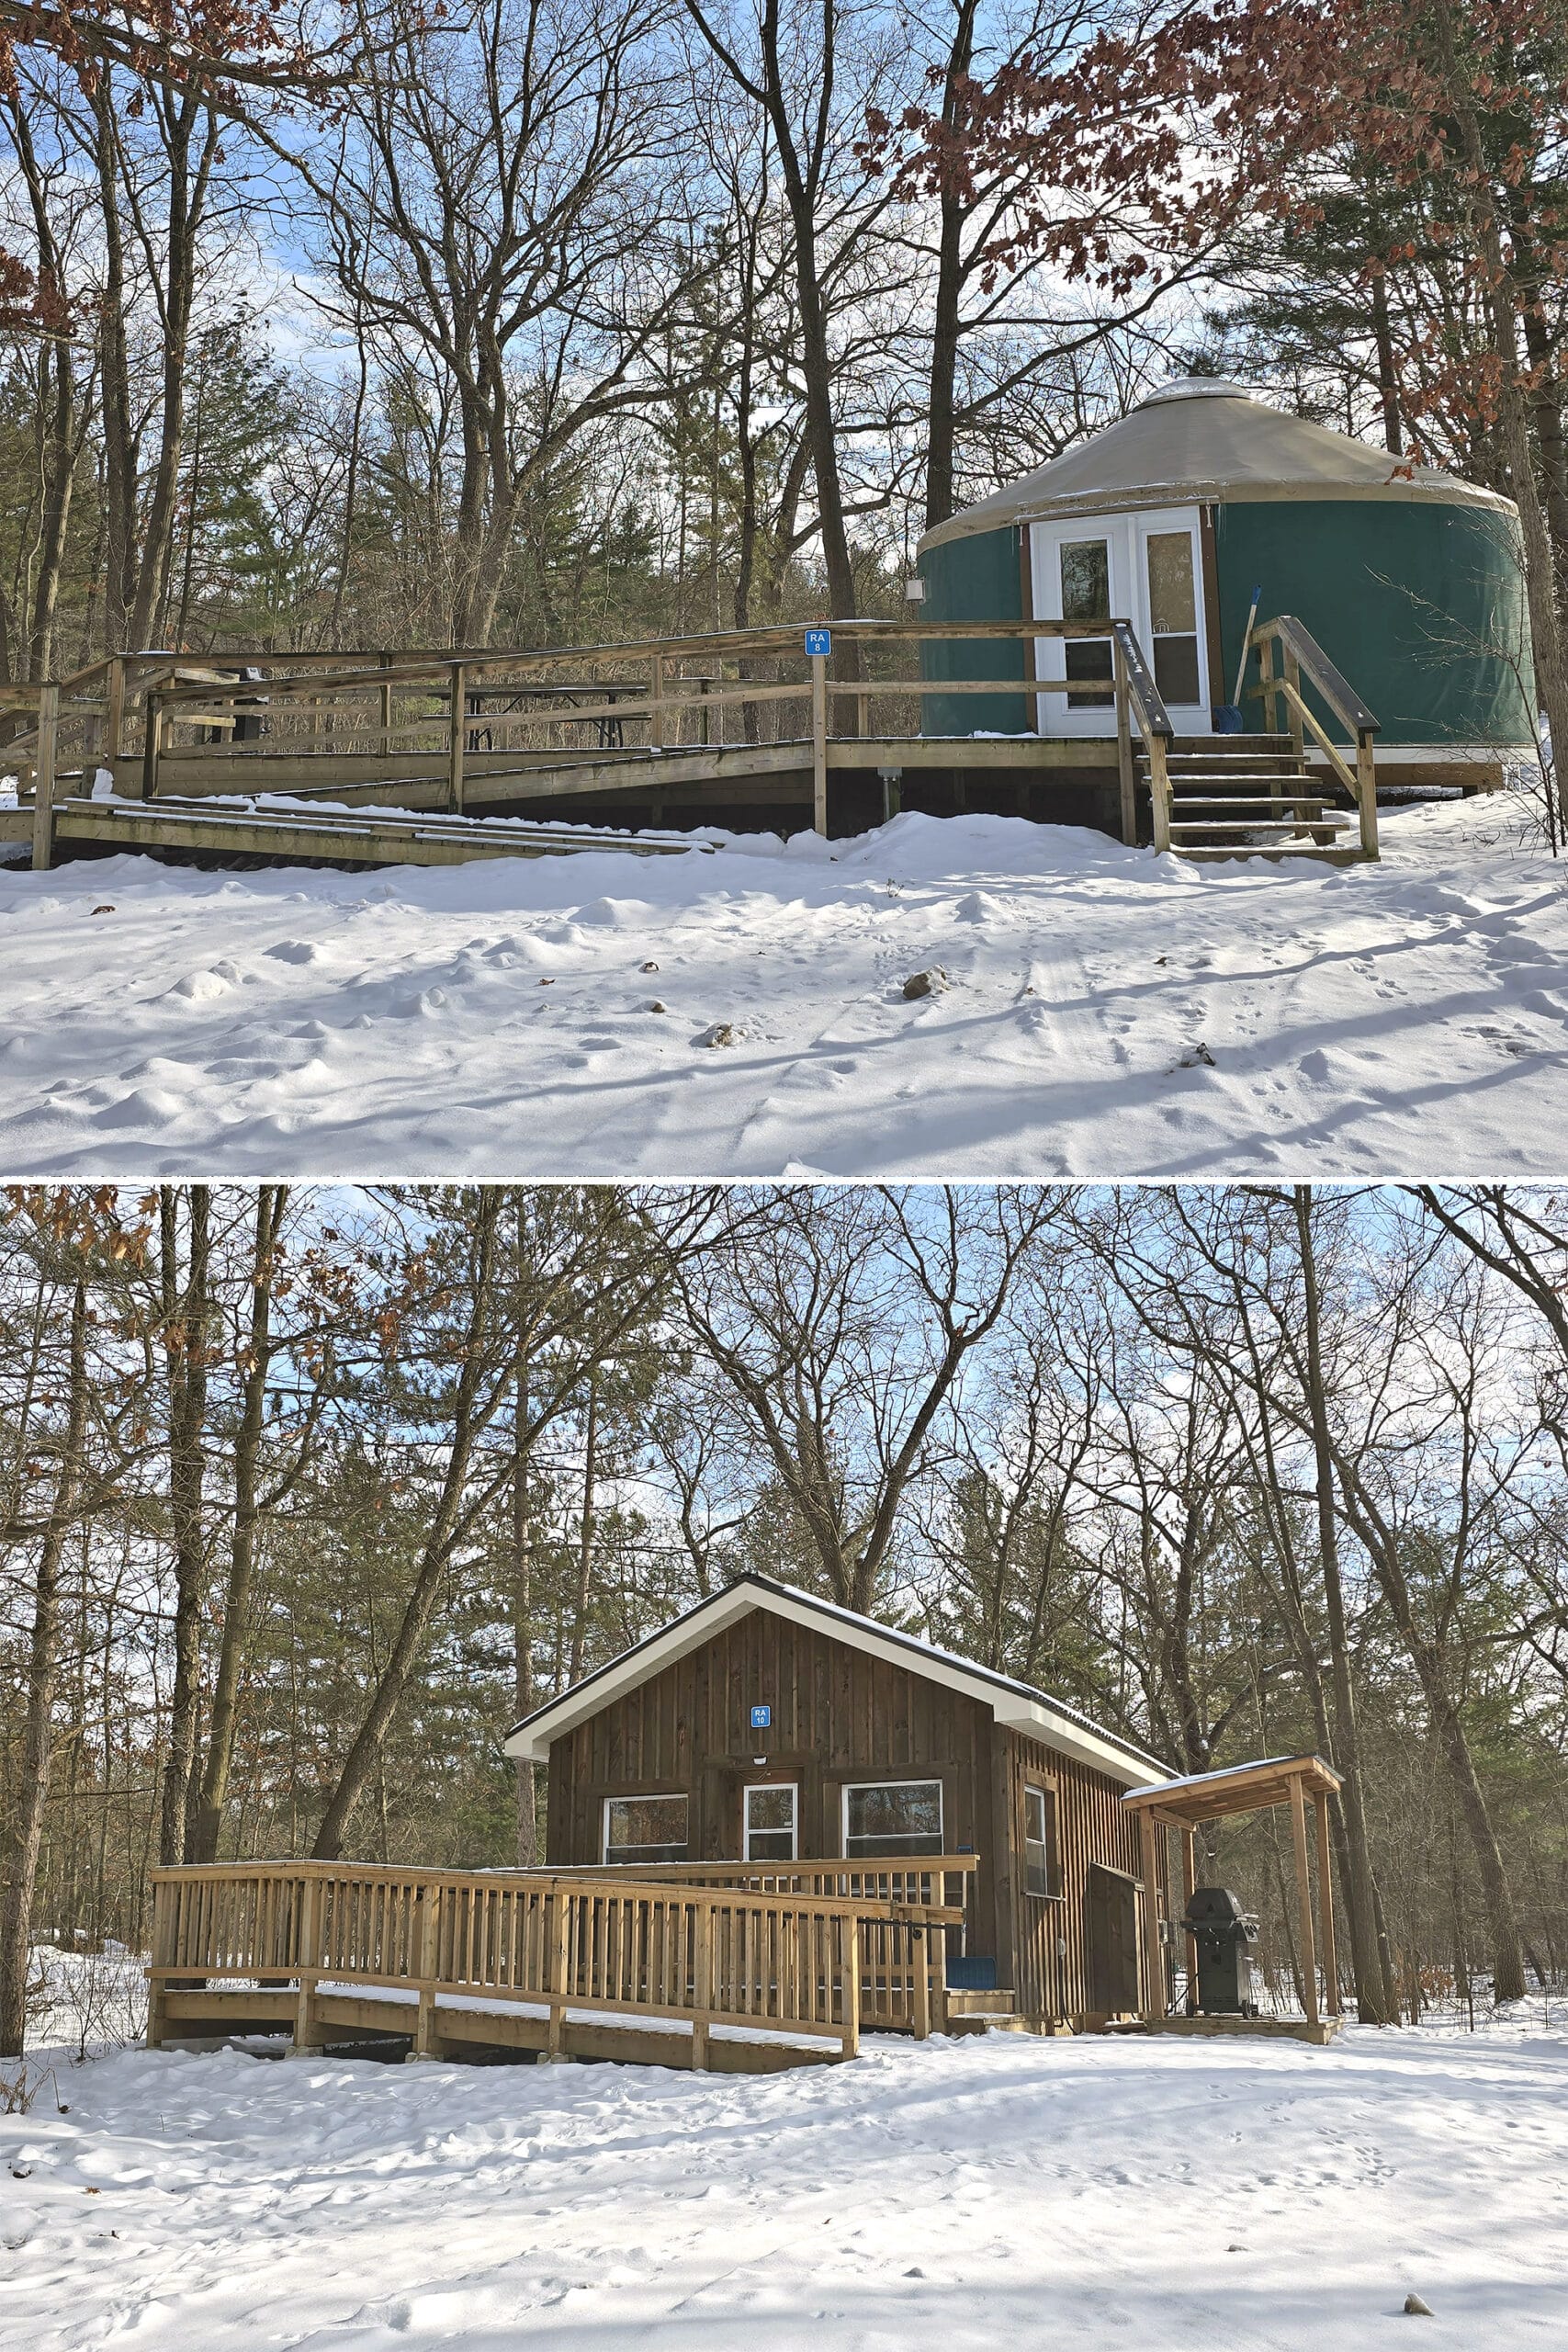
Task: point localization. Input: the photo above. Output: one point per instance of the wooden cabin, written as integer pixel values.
(766, 1725)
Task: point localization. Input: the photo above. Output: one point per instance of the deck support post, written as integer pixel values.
(153, 746)
(1159, 790)
(385, 703)
(655, 704)
(820, 743)
(557, 1970)
(457, 742)
(308, 2034)
(429, 1969)
(1367, 792)
(1303, 1899)
(1326, 1905)
(852, 1988)
(165, 1908)
(1152, 1953)
(1126, 775)
(111, 728)
(701, 1981)
(44, 777)
(920, 1964)
(1188, 1888)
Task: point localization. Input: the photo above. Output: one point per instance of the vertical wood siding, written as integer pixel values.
(838, 1715)
(841, 1715)
(1092, 1826)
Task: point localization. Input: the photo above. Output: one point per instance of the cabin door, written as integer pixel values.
(1146, 568)
(1114, 1987)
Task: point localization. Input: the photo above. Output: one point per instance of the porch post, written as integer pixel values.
(1188, 1888)
(1326, 1903)
(1126, 774)
(1303, 1898)
(1153, 1955)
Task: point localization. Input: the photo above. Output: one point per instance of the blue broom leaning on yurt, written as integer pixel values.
(1201, 499)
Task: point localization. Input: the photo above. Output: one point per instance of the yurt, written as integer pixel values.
(1198, 499)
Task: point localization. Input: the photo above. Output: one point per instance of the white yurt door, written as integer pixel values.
(1147, 567)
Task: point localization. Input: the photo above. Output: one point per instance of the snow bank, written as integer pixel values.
(951, 2195)
(1110, 1012)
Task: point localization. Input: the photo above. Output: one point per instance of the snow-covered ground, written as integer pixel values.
(999, 2192)
(1108, 1012)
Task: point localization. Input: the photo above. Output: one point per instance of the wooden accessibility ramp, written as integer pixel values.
(328, 833)
(731, 1967)
(410, 757)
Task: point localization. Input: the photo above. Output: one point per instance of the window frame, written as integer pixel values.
(901, 1781)
(747, 1789)
(1050, 1843)
(642, 1796)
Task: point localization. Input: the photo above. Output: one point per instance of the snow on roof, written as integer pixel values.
(1223, 1772)
(1019, 1704)
(1206, 438)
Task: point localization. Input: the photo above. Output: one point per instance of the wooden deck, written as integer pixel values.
(659, 732)
(718, 1967)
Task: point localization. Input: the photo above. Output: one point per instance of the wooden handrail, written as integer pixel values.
(1304, 656)
(607, 1878)
(1343, 700)
(604, 1942)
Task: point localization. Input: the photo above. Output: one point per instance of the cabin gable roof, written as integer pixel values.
(1015, 1706)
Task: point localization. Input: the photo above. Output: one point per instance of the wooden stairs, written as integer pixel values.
(989, 2012)
(1249, 795)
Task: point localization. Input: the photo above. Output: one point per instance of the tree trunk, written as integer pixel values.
(948, 294)
(271, 1200)
(31, 1794)
(184, 1319)
(523, 1616)
(114, 370)
(1372, 1967)
(1500, 294)
(586, 1540)
(446, 1527)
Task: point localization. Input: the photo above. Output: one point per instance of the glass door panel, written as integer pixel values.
(1085, 579)
(1172, 592)
(770, 1819)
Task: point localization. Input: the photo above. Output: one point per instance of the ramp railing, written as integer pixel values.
(611, 1944)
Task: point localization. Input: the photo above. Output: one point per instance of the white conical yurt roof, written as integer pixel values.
(1202, 439)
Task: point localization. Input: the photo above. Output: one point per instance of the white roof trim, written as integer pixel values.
(530, 1741)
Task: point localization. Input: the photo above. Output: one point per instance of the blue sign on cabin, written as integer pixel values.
(819, 640)
(761, 1718)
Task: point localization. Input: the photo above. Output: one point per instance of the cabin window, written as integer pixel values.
(893, 1817)
(645, 1829)
(1041, 1872)
(769, 1822)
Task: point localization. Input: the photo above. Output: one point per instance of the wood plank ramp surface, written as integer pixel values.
(333, 835)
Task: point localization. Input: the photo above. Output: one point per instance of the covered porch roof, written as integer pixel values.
(1237, 1788)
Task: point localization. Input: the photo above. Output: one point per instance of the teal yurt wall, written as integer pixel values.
(1404, 601)
(978, 578)
(1408, 578)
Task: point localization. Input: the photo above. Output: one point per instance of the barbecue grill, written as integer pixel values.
(1225, 1935)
